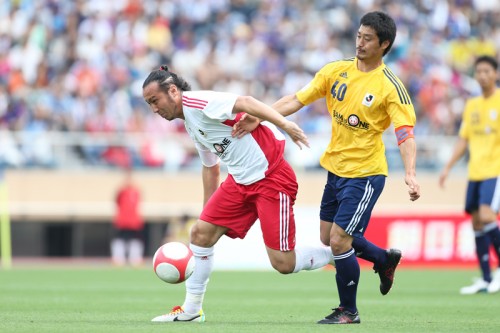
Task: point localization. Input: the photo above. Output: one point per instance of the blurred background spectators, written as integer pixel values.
(71, 72)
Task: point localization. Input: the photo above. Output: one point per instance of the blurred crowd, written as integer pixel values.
(78, 66)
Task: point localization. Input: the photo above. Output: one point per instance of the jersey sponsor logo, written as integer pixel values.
(221, 148)
(201, 132)
(344, 75)
(368, 99)
(352, 122)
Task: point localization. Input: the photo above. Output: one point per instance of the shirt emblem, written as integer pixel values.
(368, 99)
(493, 114)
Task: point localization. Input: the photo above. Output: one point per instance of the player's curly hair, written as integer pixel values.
(165, 78)
(384, 27)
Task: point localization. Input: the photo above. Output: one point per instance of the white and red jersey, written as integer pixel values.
(209, 120)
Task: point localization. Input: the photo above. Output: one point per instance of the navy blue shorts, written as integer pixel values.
(484, 192)
(348, 202)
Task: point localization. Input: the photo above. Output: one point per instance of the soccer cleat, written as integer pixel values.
(494, 285)
(341, 316)
(178, 314)
(386, 273)
(479, 286)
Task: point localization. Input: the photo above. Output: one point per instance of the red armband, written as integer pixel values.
(403, 133)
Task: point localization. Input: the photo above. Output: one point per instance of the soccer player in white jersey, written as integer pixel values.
(260, 185)
(363, 97)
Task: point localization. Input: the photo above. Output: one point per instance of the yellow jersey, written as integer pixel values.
(362, 106)
(481, 128)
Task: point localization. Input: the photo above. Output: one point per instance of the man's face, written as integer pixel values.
(367, 44)
(166, 104)
(485, 75)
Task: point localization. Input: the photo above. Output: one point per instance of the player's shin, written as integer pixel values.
(196, 285)
(312, 257)
(492, 230)
(368, 251)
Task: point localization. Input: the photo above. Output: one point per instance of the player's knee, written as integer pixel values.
(283, 266)
(339, 243)
(486, 215)
(325, 239)
(200, 237)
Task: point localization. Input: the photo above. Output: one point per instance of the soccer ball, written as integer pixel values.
(173, 262)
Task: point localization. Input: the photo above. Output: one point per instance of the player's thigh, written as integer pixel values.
(328, 208)
(472, 196)
(206, 234)
(282, 261)
(329, 202)
(325, 228)
(274, 199)
(228, 207)
(357, 197)
(476, 222)
(489, 199)
(277, 220)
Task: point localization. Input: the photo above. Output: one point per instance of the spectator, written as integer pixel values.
(75, 50)
(127, 245)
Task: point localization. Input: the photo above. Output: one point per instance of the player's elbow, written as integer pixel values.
(244, 104)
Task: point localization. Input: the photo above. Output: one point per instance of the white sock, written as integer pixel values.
(312, 257)
(136, 251)
(196, 285)
(118, 251)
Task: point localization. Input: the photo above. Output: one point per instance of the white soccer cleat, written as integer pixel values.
(494, 285)
(479, 286)
(178, 314)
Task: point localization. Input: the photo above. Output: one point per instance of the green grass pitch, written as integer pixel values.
(124, 300)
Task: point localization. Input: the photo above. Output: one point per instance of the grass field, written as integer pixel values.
(124, 300)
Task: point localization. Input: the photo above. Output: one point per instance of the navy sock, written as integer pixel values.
(369, 251)
(483, 256)
(492, 230)
(347, 279)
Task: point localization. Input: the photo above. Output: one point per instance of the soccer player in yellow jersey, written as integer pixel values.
(480, 133)
(363, 97)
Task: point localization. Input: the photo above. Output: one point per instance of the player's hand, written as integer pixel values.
(413, 187)
(442, 178)
(245, 125)
(296, 133)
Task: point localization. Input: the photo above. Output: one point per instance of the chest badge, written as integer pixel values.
(368, 100)
(493, 114)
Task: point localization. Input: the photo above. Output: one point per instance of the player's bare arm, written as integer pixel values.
(458, 152)
(408, 150)
(211, 180)
(260, 110)
(287, 105)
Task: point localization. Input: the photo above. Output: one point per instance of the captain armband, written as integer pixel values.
(403, 133)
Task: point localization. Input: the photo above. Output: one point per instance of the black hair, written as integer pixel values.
(488, 59)
(165, 78)
(384, 27)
